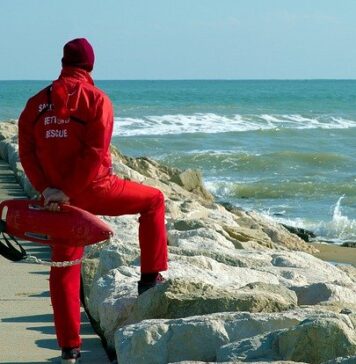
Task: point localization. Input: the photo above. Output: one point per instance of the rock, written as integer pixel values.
(228, 258)
(111, 300)
(127, 173)
(319, 293)
(3, 150)
(116, 256)
(181, 298)
(183, 225)
(304, 234)
(196, 272)
(203, 237)
(314, 340)
(349, 270)
(244, 235)
(232, 208)
(135, 168)
(8, 129)
(9, 153)
(301, 269)
(199, 337)
(192, 181)
(88, 271)
(346, 311)
(279, 235)
(149, 168)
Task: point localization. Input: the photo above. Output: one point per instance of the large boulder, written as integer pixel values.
(199, 337)
(326, 293)
(204, 280)
(192, 181)
(181, 298)
(314, 340)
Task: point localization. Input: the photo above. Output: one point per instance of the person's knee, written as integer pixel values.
(158, 200)
(154, 202)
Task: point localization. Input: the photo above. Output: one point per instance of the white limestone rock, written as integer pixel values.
(13, 156)
(181, 298)
(222, 272)
(279, 235)
(322, 293)
(125, 172)
(8, 129)
(301, 269)
(200, 337)
(315, 340)
(201, 237)
(111, 299)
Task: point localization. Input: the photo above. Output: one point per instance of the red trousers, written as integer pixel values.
(111, 196)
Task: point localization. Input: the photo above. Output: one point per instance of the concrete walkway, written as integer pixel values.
(26, 324)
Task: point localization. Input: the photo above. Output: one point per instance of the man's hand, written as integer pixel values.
(53, 197)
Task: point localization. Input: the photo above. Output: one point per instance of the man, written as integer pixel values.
(64, 138)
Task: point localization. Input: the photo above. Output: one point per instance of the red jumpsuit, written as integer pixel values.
(64, 137)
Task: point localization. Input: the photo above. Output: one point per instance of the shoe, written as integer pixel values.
(144, 286)
(70, 355)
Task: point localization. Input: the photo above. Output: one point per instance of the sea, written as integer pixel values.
(286, 149)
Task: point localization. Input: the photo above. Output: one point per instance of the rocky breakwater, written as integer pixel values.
(240, 287)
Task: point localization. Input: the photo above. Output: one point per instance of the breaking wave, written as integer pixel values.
(242, 161)
(279, 190)
(213, 123)
(338, 229)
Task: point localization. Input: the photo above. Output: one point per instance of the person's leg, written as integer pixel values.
(116, 197)
(152, 230)
(65, 296)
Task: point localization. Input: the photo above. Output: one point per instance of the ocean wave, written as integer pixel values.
(243, 161)
(260, 190)
(338, 229)
(213, 123)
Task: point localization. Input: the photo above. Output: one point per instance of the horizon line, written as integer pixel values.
(198, 79)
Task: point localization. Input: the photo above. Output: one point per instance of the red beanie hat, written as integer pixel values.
(78, 53)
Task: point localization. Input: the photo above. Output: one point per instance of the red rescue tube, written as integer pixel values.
(71, 226)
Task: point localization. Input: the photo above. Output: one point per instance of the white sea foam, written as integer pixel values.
(338, 229)
(340, 226)
(212, 123)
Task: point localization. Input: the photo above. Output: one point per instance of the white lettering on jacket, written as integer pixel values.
(55, 133)
(44, 106)
(49, 120)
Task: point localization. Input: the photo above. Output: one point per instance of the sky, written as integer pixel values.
(182, 39)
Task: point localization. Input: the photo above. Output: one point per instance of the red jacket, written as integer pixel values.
(64, 134)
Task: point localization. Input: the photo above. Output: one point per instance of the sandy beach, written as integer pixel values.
(336, 253)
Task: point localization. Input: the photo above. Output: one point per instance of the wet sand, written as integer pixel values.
(335, 253)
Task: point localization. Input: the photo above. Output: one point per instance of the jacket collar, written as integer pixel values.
(77, 74)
